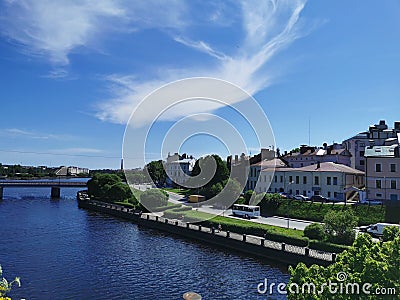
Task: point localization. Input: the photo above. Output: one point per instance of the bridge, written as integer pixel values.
(55, 185)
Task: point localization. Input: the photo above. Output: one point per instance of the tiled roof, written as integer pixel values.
(271, 163)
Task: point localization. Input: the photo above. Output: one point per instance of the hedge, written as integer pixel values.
(163, 208)
(258, 230)
(325, 246)
(316, 211)
(182, 208)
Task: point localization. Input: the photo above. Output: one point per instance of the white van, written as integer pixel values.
(377, 229)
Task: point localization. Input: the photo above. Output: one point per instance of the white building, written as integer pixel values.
(178, 168)
(327, 179)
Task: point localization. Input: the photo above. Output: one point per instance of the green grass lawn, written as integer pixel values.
(193, 215)
(182, 192)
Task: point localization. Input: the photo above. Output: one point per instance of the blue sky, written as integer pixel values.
(73, 71)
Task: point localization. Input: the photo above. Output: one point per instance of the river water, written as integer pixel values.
(63, 252)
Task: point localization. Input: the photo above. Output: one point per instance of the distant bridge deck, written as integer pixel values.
(34, 183)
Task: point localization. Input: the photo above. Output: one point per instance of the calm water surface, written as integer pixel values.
(63, 252)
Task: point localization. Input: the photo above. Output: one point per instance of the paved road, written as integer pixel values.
(274, 220)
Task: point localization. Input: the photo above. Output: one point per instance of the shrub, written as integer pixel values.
(339, 227)
(315, 231)
(153, 198)
(325, 246)
(390, 233)
(166, 207)
(182, 208)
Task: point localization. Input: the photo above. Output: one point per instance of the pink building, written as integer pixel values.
(383, 173)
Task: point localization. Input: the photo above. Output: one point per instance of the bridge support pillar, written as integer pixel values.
(55, 192)
(1, 193)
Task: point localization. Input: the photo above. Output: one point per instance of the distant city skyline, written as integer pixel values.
(72, 73)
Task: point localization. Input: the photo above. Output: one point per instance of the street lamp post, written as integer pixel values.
(287, 212)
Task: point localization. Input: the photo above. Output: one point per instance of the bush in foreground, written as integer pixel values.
(365, 262)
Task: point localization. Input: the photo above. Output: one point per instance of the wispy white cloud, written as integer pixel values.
(54, 29)
(79, 150)
(269, 27)
(28, 134)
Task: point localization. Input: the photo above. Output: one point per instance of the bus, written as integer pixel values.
(247, 211)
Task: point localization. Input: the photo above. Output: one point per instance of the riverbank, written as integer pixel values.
(249, 244)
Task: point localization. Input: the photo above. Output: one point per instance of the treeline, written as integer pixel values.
(18, 171)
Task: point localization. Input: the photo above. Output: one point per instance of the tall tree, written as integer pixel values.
(157, 172)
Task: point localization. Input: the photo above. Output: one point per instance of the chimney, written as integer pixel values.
(285, 152)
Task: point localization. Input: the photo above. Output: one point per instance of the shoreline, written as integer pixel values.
(248, 244)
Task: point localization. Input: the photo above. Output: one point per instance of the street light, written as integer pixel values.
(287, 212)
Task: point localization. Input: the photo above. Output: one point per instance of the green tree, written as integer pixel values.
(247, 196)
(365, 262)
(390, 232)
(157, 172)
(153, 198)
(315, 231)
(219, 179)
(339, 226)
(5, 286)
(99, 185)
(118, 192)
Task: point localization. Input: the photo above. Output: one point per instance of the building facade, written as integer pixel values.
(327, 179)
(178, 168)
(383, 173)
(377, 135)
(309, 155)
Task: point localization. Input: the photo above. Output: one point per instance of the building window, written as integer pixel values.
(335, 195)
(362, 162)
(328, 180)
(392, 167)
(276, 178)
(301, 165)
(334, 180)
(281, 178)
(304, 193)
(329, 194)
(393, 184)
(379, 195)
(297, 192)
(362, 153)
(304, 179)
(297, 179)
(378, 168)
(316, 180)
(393, 197)
(290, 178)
(378, 184)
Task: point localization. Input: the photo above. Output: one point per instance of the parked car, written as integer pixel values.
(286, 195)
(301, 197)
(370, 202)
(377, 229)
(319, 198)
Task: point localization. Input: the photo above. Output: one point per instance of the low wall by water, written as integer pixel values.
(253, 245)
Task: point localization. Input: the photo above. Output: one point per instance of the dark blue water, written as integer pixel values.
(63, 252)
